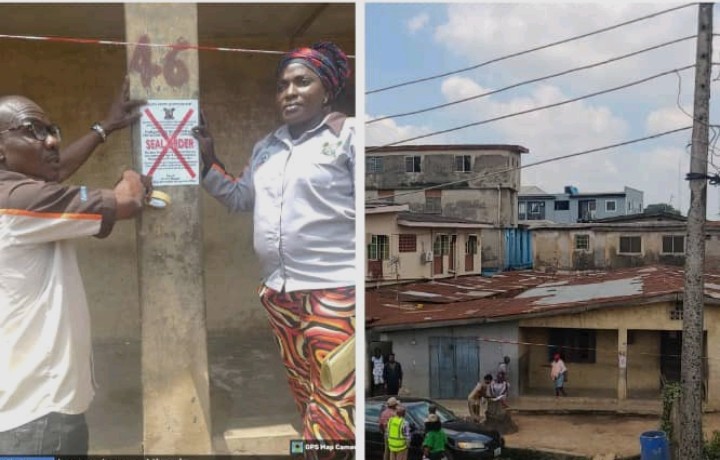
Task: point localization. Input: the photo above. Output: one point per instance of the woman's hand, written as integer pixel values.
(205, 141)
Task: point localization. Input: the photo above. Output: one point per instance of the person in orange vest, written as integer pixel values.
(398, 435)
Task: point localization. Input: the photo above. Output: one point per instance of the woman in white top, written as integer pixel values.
(557, 373)
(300, 186)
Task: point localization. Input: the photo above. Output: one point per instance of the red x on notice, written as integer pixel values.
(170, 142)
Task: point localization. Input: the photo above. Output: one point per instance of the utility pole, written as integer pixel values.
(176, 401)
(691, 434)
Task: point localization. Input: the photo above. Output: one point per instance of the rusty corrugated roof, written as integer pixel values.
(512, 295)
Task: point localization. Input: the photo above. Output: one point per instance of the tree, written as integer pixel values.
(661, 207)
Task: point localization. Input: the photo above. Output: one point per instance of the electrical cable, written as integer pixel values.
(527, 82)
(535, 109)
(529, 165)
(531, 50)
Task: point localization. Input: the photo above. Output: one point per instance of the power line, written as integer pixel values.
(535, 109)
(529, 165)
(534, 80)
(531, 50)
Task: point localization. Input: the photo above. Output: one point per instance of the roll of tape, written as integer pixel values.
(159, 199)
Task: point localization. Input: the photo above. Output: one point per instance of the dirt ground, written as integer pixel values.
(589, 435)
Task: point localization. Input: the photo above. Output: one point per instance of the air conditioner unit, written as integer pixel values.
(427, 256)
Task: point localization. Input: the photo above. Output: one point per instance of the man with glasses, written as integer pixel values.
(46, 381)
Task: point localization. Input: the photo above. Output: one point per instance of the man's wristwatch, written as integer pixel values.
(97, 127)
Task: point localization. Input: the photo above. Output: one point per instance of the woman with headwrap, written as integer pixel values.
(299, 183)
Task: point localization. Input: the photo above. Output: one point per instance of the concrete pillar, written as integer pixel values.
(176, 402)
(622, 364)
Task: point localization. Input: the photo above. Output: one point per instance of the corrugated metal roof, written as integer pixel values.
(512, 295)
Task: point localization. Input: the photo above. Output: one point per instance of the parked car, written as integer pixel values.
(466, 439)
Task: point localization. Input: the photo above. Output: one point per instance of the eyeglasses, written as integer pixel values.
(40, 131)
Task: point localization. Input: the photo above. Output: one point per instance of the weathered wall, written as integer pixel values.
(75, 84)
(410, 264)
(643, 370)
(412, 350)
(555, 249)
(600, 376)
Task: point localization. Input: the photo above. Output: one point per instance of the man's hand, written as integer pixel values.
(131, 192)
(205, 141)
(123, 110)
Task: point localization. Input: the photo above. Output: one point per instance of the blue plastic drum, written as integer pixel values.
(654, 446)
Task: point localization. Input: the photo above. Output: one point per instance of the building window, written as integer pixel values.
(610, 206)
(441, 246)
(630, 245)
(433, 205)
(433, 201)
(412, 164)
(535, 210)
(673, 244)
(522, 215)
(471, 244)
(462, 163)
(582, 242)
(379, 247)
(562, 205)
(408, 243)
(574, 345)
(373, 165)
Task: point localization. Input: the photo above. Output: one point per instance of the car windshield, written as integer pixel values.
(420, 412)
(372, 412)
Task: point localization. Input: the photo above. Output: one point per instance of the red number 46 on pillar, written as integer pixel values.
(173, 69)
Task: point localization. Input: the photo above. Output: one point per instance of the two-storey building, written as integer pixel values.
(572, 206)
(477, 183)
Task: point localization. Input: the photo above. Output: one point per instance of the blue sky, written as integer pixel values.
(408, 41)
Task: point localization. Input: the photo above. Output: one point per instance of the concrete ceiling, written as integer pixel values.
(216, 21)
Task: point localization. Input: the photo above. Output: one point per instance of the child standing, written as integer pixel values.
(435, 439)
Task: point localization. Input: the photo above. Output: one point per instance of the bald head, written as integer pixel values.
(15, 109)
(400, 411)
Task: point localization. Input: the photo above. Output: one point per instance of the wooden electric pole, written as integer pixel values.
(691, 433)
(176, 401)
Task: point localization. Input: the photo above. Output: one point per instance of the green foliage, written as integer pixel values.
(712, 447)
(661, 207)
(670, 394)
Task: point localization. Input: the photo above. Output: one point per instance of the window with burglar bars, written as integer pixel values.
(673, 244)
(408, 243)
(630, 245)
(441, 246)
(574, 345)
(413, 163)
(463, 163)
(373, 165)
(582, 242)
(379, 247)
(433, 204)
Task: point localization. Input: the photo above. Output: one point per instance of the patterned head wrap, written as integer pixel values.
(327, 60)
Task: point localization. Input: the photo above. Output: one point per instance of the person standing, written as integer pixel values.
(435, 438)
(385, 416)
(378, 367)
(300, 186)
(393, 376)
(500, 389)
(558, 371)
(398, 435)
(46, 375)
(504, 367)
